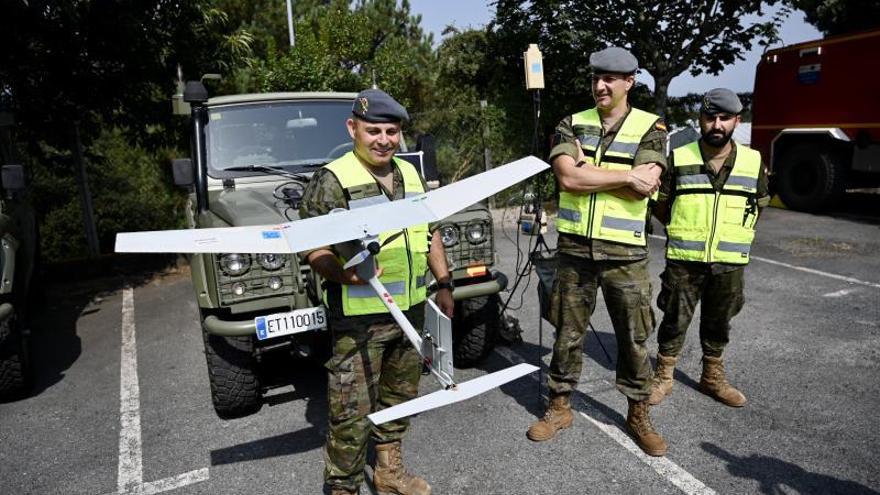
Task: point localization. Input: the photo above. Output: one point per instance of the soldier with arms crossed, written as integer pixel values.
(608, 161)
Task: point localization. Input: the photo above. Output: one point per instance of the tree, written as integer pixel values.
(840, 16)
(96, 75)
(668, 38)
(343, 48)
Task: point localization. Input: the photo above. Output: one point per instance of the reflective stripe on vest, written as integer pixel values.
(601, 215)
(404, 260)
(708, 225)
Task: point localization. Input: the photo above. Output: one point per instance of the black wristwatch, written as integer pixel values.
(445, 285)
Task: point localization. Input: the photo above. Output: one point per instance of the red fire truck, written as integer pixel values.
(816, 117)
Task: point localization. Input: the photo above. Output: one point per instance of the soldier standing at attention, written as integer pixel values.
(608, 161)
(710, 199)
(373, 365)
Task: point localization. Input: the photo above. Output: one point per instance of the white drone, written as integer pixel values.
(362, 227)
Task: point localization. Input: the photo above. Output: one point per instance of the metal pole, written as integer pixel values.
(487, 155)
(290, 21)
(85, 194)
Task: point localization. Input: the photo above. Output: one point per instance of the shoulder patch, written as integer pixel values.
(660, 125)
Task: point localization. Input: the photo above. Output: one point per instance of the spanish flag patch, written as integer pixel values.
(660, 125)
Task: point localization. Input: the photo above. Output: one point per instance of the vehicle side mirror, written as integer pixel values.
(425, 144)
(184, 173)
(13, 178)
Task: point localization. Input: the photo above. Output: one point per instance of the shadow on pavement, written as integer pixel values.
(525, 390)
(857, 207)
(309, 381)
(773, 474)
(64, 292)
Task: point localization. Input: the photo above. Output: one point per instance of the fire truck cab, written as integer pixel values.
(816, 118)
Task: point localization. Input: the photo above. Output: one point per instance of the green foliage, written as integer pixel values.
(668, 38)
(131, 190)
(106, 68)
(840, 16)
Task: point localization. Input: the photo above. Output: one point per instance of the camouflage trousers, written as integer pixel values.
(373, 367)
(627, 290)
(684, 285)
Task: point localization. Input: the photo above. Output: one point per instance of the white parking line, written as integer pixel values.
(130, 479)
(685, 482)
(841, 293)
(804, 269)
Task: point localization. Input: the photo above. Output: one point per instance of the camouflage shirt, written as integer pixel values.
(323, 194)
(666, 197)
(652, 148)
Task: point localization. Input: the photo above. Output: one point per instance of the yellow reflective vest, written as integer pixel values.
(404, 260)
(601, 215)
(708, 225)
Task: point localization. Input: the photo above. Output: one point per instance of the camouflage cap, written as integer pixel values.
(721, 100)
(614, 60)
(374, 105)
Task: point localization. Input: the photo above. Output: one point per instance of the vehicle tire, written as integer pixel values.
(810, 178)
(16, 375)
(474, 329)
(232, 372)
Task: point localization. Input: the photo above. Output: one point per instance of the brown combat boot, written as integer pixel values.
(557, 417)
(391, 478)
(714, 384)
(662, 384)
(639, 426)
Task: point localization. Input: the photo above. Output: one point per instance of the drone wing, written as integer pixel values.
(310, 233)
(251, 239)
(460, 392)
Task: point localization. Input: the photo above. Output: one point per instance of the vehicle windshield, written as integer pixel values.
(296, 136)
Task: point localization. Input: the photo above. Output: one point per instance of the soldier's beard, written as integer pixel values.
(717, 138)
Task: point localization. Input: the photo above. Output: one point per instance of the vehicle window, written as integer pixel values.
(293, 135)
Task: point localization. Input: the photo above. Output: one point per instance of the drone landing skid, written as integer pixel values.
(435, 347)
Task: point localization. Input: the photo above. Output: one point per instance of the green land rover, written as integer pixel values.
(252, 155)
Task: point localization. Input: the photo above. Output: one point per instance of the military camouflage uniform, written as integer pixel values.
(620, 270)
(685, 283)
(373, 365)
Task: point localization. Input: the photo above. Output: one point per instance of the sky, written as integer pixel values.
(740, 77)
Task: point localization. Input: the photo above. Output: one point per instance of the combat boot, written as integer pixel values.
(557, 417)
(638, 423)
(391, 478)
(714, 384)
(662, 384)
(338, 490)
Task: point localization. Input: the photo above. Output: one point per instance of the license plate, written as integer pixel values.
(280, 324)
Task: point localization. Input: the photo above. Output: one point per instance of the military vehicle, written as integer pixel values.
(251, 158)
(18, 247)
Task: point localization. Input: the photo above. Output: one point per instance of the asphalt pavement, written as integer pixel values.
(805, 350)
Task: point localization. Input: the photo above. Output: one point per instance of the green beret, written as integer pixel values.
(613, 60)
(374, 105)
(721, 100)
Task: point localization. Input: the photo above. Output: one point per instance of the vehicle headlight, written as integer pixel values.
(235, 264)
(275, 282)
(476, 233)
(239, 288)
(449, 235)
(271, 261)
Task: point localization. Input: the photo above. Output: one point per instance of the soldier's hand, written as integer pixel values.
(445, 302)
(645, 179)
